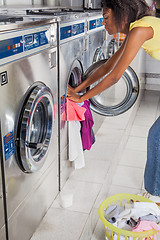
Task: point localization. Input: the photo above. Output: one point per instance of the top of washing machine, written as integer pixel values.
(65, 13)
(10, 19)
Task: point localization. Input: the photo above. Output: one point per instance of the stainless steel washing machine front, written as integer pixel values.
(28, 94)
(71, 56)
(97, 49)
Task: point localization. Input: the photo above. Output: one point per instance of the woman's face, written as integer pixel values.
(109, 21)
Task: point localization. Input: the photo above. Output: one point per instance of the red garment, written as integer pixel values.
(74, 111)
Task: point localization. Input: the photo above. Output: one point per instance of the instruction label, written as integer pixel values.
(9, 148)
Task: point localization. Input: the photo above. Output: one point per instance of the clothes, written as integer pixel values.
(149, 207)
(150, 217)
(112, 212)
(152, 46)
(146, 225)
(86, 127)
(152, 168)
(74, 111)
(76, 154)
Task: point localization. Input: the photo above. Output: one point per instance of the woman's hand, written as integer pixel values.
(71, 95)
(71, 88)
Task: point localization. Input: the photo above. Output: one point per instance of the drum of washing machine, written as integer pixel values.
(118, 98)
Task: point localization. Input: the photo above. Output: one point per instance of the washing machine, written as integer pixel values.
(97, 49)
(29, 121)
(72, 56)
(3, 223)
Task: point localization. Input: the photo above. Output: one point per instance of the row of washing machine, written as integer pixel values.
(41, 51)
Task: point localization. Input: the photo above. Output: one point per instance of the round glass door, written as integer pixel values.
(118, 98)
(34, 128)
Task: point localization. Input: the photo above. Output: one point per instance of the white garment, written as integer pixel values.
(144, 208)
(76, 154)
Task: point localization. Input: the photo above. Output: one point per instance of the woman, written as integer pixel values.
(133, 18)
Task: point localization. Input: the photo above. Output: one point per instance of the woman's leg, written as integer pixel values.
(152, 169)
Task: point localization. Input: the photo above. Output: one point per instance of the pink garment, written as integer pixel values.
(146, 225)
(74, 111)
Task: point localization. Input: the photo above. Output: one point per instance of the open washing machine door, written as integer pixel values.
(111, 48)
(99, 55)
(34, 128)
(118, 98)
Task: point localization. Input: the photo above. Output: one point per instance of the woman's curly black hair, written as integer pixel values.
(131, 10)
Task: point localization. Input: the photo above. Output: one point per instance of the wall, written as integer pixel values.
(152, 73)
(149, 2)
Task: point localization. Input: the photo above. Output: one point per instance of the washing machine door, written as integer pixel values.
(118, 98)
(34, 128)
(99, 55)
(111, 48)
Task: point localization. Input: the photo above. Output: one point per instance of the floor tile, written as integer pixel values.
(94, 171)
(116, 122)
(60, 224)
(133, 158)
(84, 195)
(143, 121)
(128, 177)
(99, 232)
(101, 151)
(90, 225)
(139, 131)
(114, 189)
(147, 109)
(109, 135)
(137, 143)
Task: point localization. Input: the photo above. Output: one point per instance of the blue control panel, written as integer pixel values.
(71, 30)
(35, 40)
(12, 46)
(95, 23)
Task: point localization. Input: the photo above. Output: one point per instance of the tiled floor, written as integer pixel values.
(114, 164)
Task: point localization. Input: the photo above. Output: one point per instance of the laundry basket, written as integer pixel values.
(113, 232)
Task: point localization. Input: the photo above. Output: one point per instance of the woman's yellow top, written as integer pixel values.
(151, 46)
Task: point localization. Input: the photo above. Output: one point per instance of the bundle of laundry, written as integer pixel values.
(135, 216)
(80, 123)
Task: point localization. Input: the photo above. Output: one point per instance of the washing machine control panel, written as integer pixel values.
(35, 40)
(71, 30)
(95, 23)
(19, 44)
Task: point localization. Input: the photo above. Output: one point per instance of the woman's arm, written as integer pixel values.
(133, 43)
(101, 71)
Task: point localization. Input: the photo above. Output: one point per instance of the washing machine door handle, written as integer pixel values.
(35, 145)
